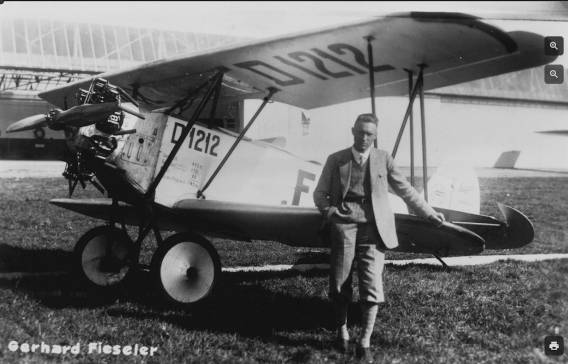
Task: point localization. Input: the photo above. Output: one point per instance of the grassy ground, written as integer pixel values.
(36, 236)
(498, 313)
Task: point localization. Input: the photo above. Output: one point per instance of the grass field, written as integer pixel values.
(497, 313)
(37, 236)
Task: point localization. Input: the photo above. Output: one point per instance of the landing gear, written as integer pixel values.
(102, 257)
(186, 267)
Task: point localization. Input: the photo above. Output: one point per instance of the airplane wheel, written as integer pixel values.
(186, 267)
(99, 266)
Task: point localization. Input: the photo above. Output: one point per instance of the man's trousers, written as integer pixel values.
(359, 242)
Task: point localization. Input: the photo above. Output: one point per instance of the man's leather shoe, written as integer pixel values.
(364, 355)
(341, 345)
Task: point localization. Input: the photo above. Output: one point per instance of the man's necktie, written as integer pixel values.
(361, 160)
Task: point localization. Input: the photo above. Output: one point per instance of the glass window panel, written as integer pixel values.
(110, 42)
(86, 44)
(123, 46)
(20, 36)
(59, 35)
(47, 37)
(33, 36)
(180, 42)
(159, 45)
(74, 43)
(98, 41)
(147, 45)
(224, 39)
(170, 44)
(213, 40)
(70, 30)
(190, 41)
(201, 41)
(135, 45)
(7, 36)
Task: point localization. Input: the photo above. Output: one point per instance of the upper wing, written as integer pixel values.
(320, 68)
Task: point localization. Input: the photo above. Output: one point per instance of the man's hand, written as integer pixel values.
(437, 219)
(327, 214)
(342, 216)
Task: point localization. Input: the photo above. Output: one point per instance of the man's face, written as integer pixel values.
(364, 135)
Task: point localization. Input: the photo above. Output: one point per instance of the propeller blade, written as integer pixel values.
(84, 115)
(29, 123)
(78, 116)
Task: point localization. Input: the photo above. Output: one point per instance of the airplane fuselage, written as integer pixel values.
(255, 173)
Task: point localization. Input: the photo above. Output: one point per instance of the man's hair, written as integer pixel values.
(367, 118)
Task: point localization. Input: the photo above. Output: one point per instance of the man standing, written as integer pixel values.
(352, 194)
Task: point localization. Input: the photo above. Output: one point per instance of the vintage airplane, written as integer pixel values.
(149, 136)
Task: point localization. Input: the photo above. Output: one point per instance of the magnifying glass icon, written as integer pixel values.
(553, 45)
(553, 73)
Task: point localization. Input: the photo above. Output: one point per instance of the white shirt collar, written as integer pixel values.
(358, 155)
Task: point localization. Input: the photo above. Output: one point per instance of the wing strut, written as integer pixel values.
(407, 114)
(371, 79)
(218, 78)
(271, 92)
(423, 119)
(410, 74)
(214, 107)
(418, 87)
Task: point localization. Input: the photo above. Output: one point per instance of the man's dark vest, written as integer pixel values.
(359, 186)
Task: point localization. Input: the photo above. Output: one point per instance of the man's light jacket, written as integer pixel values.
(334, 184)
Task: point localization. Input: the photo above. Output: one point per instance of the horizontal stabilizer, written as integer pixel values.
(416, 235)
(279, 142)
(518, 232)
(515, 232)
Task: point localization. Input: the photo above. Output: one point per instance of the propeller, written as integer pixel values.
(29, 123)
(78, 116)
(87, 152)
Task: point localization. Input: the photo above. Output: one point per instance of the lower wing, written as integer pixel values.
(291, 225)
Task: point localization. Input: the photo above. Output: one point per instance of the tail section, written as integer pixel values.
(507, 159)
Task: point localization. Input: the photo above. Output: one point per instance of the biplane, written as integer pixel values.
(149, 137)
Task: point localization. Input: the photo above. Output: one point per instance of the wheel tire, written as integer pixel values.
(186, 267)
(89, 255)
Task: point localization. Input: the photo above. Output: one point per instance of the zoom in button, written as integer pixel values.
(553, 46)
